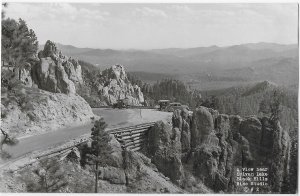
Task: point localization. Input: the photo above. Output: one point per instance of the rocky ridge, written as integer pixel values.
(215, 144)
(46, 97)
(57, 73)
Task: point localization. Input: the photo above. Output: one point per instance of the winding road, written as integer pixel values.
(113, 117)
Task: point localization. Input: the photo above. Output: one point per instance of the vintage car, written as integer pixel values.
(163, 104)
(121, 103)
(177, 106)
(173, 106)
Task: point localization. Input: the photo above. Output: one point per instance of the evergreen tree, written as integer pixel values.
(100, 148)
(19, 43)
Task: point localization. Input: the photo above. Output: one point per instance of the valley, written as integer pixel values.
(203, 68)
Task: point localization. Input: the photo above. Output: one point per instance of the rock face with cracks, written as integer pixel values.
(218, 143)
(182, 121)
(224, 142)
(56, 72)
(46, 99)
(202, 126)
(46, 111)
(116, 86)
(165, 150)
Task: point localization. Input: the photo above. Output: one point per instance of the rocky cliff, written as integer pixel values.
(165, 150)
(41, 95)
(55, 72)
(215, 144)
(227, 142)
(58, 79)
(116, 86)
(37, 111)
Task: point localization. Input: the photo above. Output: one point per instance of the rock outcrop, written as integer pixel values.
(182, 121)
(47, 100)
(56, 72)
(44, 111)
(25, 75)
(202, 126)
(217, 144)
(222, 142)
(164, 149)
(115, 86)
(52, 77)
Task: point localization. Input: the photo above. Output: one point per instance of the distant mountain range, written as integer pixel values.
(202, 67)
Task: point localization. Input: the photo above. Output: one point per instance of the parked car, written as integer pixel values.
(157, 107)
(177, 106)
(121, 103)
(163, 104)
(173, 106)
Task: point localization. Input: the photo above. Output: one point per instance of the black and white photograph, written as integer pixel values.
(140, 97)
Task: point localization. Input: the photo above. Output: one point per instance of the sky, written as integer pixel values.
(152, 26)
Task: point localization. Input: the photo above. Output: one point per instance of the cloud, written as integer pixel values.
(158, 25)
(182, 9)
(54, 11)
(149, 12)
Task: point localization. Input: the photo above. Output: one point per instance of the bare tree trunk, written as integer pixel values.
(96, 179)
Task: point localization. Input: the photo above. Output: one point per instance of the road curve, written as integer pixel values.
(113, 117)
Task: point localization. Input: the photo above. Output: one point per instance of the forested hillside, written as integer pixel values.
(170, 89)
(246, 100)
(241, 100)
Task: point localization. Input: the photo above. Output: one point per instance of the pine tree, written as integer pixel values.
(100, 148)
(19, 43)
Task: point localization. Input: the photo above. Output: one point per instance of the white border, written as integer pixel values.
(165, 1)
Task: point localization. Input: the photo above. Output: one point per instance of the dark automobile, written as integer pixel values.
(177, 106)
(163, 104)
(121, 103)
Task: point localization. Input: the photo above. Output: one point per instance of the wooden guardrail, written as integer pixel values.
(129, 107)
(129, 137)
(132, 138)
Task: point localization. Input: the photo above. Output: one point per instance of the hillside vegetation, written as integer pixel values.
(246, 100)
